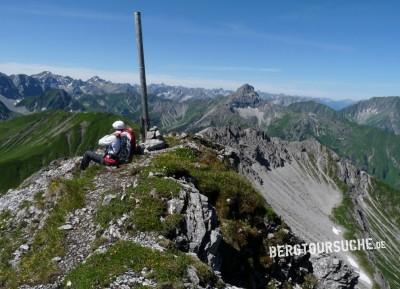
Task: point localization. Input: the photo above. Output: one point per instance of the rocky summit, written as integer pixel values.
(180, 217)
(244, 96)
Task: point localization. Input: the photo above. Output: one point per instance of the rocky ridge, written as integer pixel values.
(81, 229)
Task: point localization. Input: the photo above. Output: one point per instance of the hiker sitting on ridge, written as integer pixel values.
(120, 146)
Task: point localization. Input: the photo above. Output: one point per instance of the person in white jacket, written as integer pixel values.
(111, 142)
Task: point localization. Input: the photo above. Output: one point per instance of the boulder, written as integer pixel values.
(333, 273)
(153, 144)
(200, 233)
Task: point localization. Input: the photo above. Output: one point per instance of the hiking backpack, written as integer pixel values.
(127, 147)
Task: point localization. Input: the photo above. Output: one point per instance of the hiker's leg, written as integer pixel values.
(90, 156)
(85, 161)
(96, 157)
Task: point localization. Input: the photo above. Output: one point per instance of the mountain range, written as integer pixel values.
(37, 92)
(21, 86)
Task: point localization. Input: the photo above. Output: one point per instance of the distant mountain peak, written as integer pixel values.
(96, 79)
(245, 89)
(245, 96)
(43, 74)
(50, 75)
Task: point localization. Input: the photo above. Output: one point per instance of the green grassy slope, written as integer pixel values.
(381, 213)
(29, 142)
(167, 114)
(51, 99)
(379, 112)
(118, 103)
(315, 108)
(384, 219)
(195, 109)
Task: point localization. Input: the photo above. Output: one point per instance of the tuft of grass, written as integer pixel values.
(169, 267)
(25, 204)
(162, 187)
(10, 240)
(310, 281)
(114, 210)
(38, 197)
(145, 205)
(172, 141)
(146, 215)
(4, 218)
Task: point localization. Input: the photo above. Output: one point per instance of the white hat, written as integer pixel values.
(119, 124)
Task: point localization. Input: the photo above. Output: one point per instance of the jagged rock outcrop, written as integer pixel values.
(200, 233)
(244, 96)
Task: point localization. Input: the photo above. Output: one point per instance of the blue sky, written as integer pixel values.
(336, 49)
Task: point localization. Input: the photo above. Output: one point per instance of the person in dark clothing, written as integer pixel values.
(112, 143)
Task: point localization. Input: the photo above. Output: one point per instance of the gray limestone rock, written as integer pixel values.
(332, 273)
